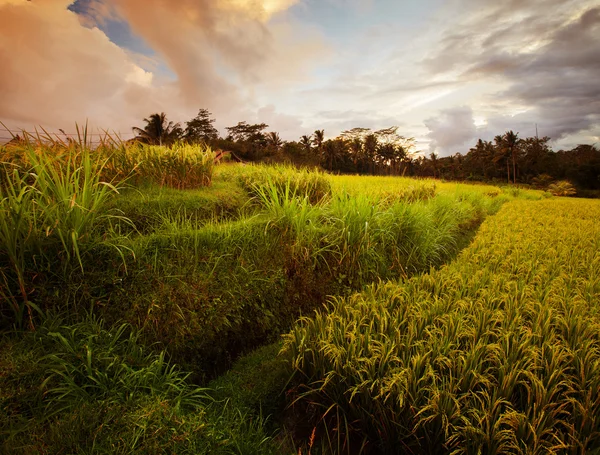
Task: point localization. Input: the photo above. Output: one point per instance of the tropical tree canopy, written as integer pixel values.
(158, 130)
(201, 128)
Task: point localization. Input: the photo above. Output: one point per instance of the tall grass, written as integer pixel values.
(313, 184)
(182, 166)
(48, 211)
(91, 387)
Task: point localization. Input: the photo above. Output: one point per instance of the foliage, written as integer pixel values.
(562, 188)
(158, 130)
(86, 387)
(201, 128)
(312, 184)
(387, 152)
(48, 212)
(180, 166)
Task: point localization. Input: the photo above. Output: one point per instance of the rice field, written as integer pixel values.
(131, 275)
(497, 352)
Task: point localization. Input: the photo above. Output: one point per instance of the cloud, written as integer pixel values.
(548, 64)
(451, 131)
(59, 66)
(56, 72)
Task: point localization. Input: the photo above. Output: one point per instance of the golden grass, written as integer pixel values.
(498, 352)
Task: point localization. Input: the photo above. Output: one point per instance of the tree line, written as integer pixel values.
(507, 158)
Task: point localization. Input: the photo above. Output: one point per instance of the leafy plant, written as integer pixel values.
(562, 188)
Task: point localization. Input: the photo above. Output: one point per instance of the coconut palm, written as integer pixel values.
(333, 150)
(158, 131)
(274, 140)
(306, 142)
(501, 153)
(318, 139)
(434, 163)
(512, 142)
(370, 150)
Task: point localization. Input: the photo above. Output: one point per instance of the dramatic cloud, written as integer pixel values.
(56, 72)
(547, 63)
(59, 67)
(299, 65)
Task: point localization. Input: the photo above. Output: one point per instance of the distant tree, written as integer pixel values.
(306, 143)
(434, 163)
(318, 139)
(356, 149)
(200, 128)
(248, 140)
(536, 154)
(274, 142)
(479, 158)
(502, 154)
(244, 132)
(355, 133)
(512, 141)
(370, 150)
(158, 130)
(355, 138)
(333, 150)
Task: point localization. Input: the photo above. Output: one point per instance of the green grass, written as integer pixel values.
(87, 388)
(181, 166)
(148, 208)
(210, 273)
(48, 214)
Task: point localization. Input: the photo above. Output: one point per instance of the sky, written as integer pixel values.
(445, 72)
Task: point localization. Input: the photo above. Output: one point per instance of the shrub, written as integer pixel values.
(562, 188)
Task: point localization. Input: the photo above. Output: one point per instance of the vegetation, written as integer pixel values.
(125, 266)
(508, 158)
(89, 388)
(494, 353)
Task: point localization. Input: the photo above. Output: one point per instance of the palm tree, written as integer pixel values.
(356, 147)
(158, 130)
(333, 149)
(318, 139)
(512, 141)
(478, 157)
(274, 141)
(370, 150)
(306, 143)
(434, 163)
(501, 153)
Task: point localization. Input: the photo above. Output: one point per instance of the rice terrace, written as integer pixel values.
(418, 315)
(397, 252)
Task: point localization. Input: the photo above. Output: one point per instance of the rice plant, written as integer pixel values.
(182, 166)
(495, 353)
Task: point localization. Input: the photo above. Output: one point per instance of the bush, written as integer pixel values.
(562, 188)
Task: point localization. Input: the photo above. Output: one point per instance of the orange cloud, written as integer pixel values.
(60, 68)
